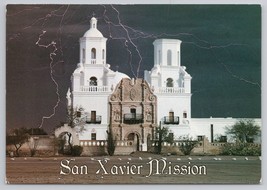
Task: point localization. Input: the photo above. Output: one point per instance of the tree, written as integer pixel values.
(111, 146)
(163, 136)
(187, 144)
(244, 130)
(17, 137)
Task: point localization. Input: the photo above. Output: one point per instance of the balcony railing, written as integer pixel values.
(171, 120)
(133, 118)
(94, 89)
(93, 61)
(93, 120)
(171, 90)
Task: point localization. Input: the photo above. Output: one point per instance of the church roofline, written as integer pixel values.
(169, 41)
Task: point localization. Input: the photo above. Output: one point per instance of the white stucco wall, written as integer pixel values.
(202, 127)
(93, 102)
(99, 129)
(176, 103)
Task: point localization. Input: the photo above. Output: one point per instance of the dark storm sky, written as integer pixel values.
(221, 49)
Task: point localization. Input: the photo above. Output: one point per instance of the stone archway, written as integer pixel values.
(134, 139)
(67, 129)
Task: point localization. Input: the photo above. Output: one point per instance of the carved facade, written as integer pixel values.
(133, 112)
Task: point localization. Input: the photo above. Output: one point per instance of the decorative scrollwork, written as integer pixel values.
(113, 97)
(132, 94)
(151, 97)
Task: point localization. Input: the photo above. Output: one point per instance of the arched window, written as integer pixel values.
(103, 54)
(169, 57)
(93, 53)
(93, 81)
(169, 82)
(83, 55)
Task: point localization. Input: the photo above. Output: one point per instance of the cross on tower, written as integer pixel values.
(93, 14)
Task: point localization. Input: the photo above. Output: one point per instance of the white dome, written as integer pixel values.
(93, 32)
(118, 76)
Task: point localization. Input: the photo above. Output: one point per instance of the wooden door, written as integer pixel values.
(93, 116)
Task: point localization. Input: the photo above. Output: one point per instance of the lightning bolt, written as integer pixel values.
(52, 45)
(51, 55)
(133, 34)
(127, 34)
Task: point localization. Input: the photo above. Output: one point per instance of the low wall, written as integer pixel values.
(203, 147)
(46, 146)
(94, 148)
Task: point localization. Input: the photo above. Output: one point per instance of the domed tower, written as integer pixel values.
(172, 86)
(92, 83)
(93, 46)
(89, 80)
(92, 60)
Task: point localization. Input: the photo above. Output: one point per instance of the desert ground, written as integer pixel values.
(134, 169)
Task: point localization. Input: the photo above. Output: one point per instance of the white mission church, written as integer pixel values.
(133, 108)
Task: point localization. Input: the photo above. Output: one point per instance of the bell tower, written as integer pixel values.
(171, 84)
(93, 46)
(167, 52)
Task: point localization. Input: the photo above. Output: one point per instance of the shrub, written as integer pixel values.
(77, 150)
(187, 145)
(241, 149)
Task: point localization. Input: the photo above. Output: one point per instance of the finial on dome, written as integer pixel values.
(93, 31)
(93, 22)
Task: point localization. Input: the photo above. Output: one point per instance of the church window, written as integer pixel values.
(83, 55)
(93, 136)
(93, 81)
(169, 82)
(133, 112)
(103, 54)
(93, 53)
(169, 57)
(185, 114)
(223, 139)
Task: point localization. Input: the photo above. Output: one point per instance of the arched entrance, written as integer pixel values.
(66, 135)
(133, 139)
(63, 141)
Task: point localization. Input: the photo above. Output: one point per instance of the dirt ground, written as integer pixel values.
(134, 169)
